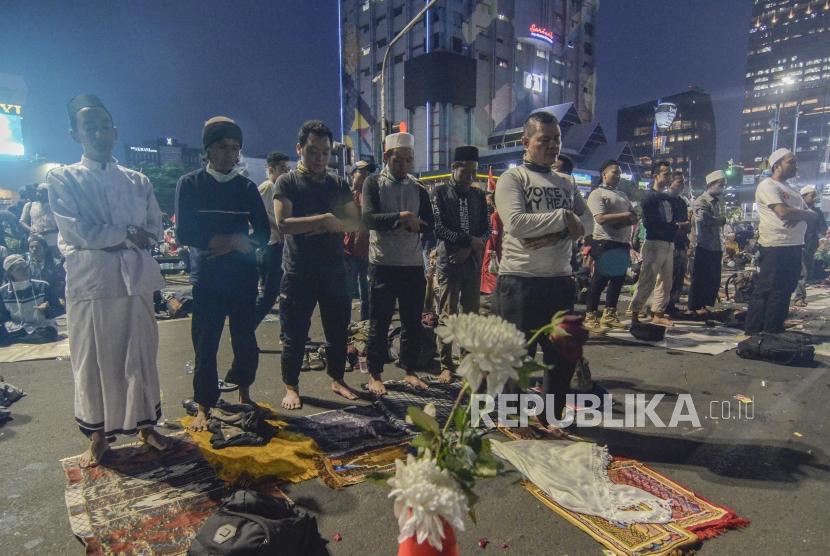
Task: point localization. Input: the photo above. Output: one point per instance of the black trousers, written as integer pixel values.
(210, 308)
(299, 294)
(599, 281)
(778, 274)
(680, 265)
(405, 285)
(270, 273)
(458, 292)
(530, 303)
(706, 273)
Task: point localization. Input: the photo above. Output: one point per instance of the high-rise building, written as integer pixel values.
(679, 128)
(163, 151)
(787, 90)
(468, 69)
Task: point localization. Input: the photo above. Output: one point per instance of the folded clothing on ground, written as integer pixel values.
(9, 394)
(239, 425)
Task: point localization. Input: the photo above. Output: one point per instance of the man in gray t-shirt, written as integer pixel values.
(614, 217)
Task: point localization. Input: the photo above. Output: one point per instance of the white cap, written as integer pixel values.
(808, 189)
(398, 140)
(715, 176)
(777, 156)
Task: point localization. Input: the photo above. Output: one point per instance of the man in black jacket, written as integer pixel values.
(461, 228)
(214, 208)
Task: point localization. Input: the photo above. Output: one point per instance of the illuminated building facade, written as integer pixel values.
(475, 67)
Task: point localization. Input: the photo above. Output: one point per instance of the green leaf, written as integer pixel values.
(423, 441)
(423, 421)
(459, 417)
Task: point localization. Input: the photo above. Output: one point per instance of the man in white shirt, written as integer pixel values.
(270, 270)
(783, 221)
(108, 218)
(37, 219)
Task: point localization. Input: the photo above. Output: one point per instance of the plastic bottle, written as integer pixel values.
(188, 368)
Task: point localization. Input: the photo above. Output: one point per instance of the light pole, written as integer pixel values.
(382, 76)
(776, 122)
(795, 126)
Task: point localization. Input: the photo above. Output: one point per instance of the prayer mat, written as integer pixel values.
(143, 501)
(693, 518)
(287, 457)
(343, 471)
(400, 396)
(689, 337)
(14, 353)
(353, 428)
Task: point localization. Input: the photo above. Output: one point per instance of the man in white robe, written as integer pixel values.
(107, 218)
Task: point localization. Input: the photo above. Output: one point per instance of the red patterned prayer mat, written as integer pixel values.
(143, 502)
(693, 518)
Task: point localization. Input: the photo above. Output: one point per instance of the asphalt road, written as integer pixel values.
(759, 467)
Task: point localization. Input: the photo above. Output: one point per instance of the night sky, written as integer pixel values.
(163, 68)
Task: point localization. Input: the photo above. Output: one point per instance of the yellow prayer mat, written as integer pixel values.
(288, 456)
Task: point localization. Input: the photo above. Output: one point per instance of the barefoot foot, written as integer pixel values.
(662, 320)
(415, 382)
(342, 389)
(291, 400)
(445, 377)
(98, 447)
(153, 439)
(376, 386)
(199, 422)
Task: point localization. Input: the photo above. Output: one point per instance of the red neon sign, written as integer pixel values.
(541, 33)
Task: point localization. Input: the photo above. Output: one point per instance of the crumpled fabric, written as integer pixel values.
(239, 425)
(9, 394)
(574, 475)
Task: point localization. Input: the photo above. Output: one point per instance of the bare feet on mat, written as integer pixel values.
(153, 439)
(415, 382)
(199, 422)
(291, 400)
(245, 397)
(662, 320)
(445, 377)
(98, 447)
(342, 389)
(376, 386)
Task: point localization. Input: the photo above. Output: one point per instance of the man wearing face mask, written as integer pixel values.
(27, 307)
(815, 230)
(784, 217)
(215, 206)
(462, 229)
(108, 219)
(535, 278)
(313, 210)
(397, 211)
(709, 222)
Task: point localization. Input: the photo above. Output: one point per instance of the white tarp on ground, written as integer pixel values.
(33, 352)
(693, 338)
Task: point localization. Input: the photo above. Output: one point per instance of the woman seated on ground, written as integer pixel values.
(27, 307)
(44, 267)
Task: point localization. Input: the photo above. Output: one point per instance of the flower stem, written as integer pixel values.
(454, 407)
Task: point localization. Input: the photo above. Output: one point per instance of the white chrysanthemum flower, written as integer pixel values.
(423, 495)
(494, 348)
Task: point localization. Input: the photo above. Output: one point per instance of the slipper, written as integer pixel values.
(225, 386)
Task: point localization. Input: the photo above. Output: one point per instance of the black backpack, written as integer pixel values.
(250, 523)
(787, 348)
(648, 332)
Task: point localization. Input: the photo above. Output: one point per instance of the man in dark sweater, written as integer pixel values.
(313, 209)
(397, 211)
(680, 258)
(462, 228)
(214, 208)
(658, 248)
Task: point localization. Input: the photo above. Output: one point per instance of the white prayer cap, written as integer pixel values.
(398, 140)
(777, 156)
(808, 189)
(715, 176)
(12, 260)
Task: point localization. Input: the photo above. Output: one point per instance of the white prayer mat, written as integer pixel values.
(818, 298)
(692, 338)
(34, 352)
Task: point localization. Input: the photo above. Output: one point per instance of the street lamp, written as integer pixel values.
(382, 76)
(776, 122)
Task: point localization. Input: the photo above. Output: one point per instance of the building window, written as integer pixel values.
(364, 28)
(436, 40)
(483, 57)
(541, 54)
(457, 19)
(589, 29)
(365, 50)
(502, 63)
(365, 6)
(502, 17)
(588, 48)
(457, 44)
(518, 46)
(380, 21)
(381, 43)
(397, 11)
(397, 59)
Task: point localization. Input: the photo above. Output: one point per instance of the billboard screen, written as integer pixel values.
(11, 130)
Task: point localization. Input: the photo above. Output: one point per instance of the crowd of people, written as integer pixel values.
(306, 238)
